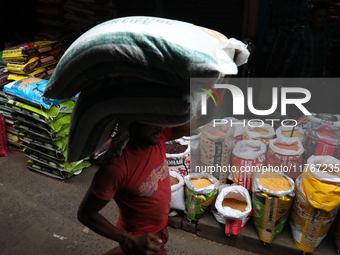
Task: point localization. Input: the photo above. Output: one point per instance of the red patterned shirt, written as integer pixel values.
(139, 183)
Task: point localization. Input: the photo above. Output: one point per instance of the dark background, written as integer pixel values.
(269, 25)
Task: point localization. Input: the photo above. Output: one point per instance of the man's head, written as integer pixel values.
(142, 135)
(319, 15)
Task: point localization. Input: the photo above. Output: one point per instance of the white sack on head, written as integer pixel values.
(100, 108)
(158, 49)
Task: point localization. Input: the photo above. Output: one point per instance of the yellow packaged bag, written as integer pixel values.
(321, 181)
(309, 225)
(272, 198)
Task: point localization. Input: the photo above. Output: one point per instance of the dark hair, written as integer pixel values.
(319, 6)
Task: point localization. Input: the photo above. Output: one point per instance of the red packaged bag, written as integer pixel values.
(3, 137)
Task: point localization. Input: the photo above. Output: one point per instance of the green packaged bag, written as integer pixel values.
(47, 161)
(41, 114)
(56, 173)
(57, 146)
(198, 200)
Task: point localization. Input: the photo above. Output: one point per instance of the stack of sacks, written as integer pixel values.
(163, 54)
(3, 74)
(84, 14)
(33, 59)
(43, 126)
(11, 131)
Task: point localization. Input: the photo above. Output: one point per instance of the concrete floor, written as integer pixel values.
(38, 216)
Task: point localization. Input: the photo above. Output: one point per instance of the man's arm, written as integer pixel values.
(88, 214)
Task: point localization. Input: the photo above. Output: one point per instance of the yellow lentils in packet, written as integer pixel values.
(200, 193)
(272, 198)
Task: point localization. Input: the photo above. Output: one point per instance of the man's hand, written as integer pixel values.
(147, 244)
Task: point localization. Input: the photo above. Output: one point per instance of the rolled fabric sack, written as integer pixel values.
(161, 50)
(100, 108)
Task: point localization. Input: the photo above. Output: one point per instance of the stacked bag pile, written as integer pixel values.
(11, 132)
(42, 125)
(31, 59)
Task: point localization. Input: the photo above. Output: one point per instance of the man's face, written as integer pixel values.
(145, 134)
(319, 19)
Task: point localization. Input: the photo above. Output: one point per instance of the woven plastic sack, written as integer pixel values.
(216, 145)
(161, 50)
(99, 109)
